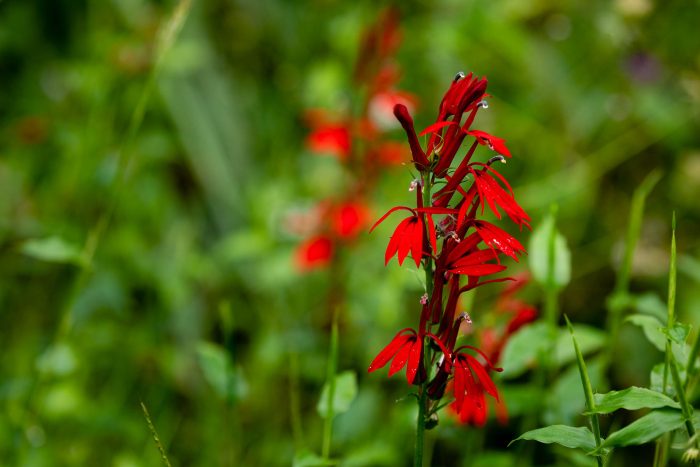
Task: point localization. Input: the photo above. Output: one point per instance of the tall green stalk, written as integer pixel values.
(330, 380)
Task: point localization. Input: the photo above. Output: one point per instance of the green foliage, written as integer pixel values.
(632, 398)
(549, 256)
(344, 394)
(567, 436)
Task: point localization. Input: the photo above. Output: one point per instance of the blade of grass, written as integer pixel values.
(588, 392)
(152, 428)
(330, 380)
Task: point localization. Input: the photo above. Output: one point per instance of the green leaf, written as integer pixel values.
(345, 392)
(523, 349)
(632, 398)
(544, 241)
(54, 250)
(645, 429)
(308, 458)
(218, 370)
(650, 304)
(652, 328)
(568, 436)
(678, 333)
(589, 340)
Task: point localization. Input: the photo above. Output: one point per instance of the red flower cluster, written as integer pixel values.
(357, 143)
(458, 251)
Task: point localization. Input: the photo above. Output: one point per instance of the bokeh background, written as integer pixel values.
(152, 152)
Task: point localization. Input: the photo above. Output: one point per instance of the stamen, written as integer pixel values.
(458, 76)
(424, 299)
(484, 104)
(495, 158)
(414, 184)
(465, 317)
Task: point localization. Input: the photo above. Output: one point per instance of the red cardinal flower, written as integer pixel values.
(408, 237)
(349, 219)
(331, 139)
(496, 144)
(499, 239)
(491, 193)
(471, 383)
(405, 348)
(314, 253)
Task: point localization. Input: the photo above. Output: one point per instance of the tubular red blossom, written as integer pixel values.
(419, 158)
(451, 247)
(496, 144)
(405, 348)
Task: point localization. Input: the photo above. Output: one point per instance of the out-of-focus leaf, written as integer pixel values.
(568, 436)
(53, 249)
(652, 328)
(542, 245)
(650, 304)
(308, 458)
(678, 333)
(57, 360)
(567, 400)
(656, 379)
(589, 340)
(645, 429)
(218, 370)
(345, 392)
(494, 459)
(523, 348)
(632, 398)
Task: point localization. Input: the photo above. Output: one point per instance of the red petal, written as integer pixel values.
(387, 352)
(417, 241)
(435, 127)
(414, 360)
(478, 270)
(387, 215)
(401, 357)
(314, 253)
(483, 376)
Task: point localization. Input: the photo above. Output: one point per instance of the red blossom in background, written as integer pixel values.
(456, 249)
(359, 144)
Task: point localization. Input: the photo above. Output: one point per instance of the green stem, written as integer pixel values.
(420, 428)
(422, 391)
(330, 379)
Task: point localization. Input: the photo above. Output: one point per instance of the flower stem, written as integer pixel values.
(422, 391)
(330, 380)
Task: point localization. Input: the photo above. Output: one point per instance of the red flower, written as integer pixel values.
(496, 144)
(332, 139)
(405, 348)
(471, 384)
(348, 219)
(314, 253)
(408, 237)
(499, 239)
(491, 193)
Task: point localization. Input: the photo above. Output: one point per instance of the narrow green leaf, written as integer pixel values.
(53, 249)
(632, 398)
(568, 436)
(345, 392)
(652, 329)
(540, 255)
(645, 429)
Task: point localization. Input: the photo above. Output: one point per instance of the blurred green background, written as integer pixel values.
(151, 152)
